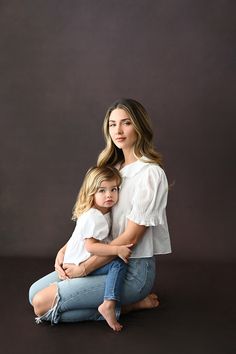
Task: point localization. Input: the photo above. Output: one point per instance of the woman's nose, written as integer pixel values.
(119, 129)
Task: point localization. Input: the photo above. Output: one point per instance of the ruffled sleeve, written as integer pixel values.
(94, 225)
(150, 197)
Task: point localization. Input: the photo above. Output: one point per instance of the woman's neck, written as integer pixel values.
(128, 157)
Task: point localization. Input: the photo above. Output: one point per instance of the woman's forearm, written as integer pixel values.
(132, 234)
(63, 249)
(86, 267)
(59, 262)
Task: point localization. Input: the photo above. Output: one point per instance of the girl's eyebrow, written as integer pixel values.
(106, 187)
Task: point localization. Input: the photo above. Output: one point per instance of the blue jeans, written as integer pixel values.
(115, 271)
(79, 298)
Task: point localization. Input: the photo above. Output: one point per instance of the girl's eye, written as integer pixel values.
(101, 190)
(115, 189)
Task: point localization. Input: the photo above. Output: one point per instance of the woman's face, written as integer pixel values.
(121, 129)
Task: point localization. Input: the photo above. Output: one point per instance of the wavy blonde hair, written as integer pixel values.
(143, 146)
(92, 181)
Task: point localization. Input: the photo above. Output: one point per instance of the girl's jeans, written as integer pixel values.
(115, 271)
(79, 298)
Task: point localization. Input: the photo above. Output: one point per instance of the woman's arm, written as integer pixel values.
(132, 234)
(59, 263)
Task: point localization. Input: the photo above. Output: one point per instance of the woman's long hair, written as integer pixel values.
(111, 155)
(92, 181)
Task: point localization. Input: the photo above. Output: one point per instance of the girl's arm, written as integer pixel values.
(132, 234)
(101, 249)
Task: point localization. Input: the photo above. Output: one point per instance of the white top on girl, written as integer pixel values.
(143, 199)
(91, 223)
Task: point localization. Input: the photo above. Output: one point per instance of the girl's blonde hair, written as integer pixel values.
(92, 181)
(143, 146)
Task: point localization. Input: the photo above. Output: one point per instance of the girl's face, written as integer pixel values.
(121, 129)
(106, 196)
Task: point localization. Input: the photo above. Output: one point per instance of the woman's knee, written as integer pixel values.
(42, 283)
(44, 300)
(38, 304)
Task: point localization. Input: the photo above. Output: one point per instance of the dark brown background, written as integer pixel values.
(63, 62)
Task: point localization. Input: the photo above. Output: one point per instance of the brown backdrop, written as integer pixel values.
(63, 62)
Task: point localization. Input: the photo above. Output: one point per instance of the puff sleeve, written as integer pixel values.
(150, 197)
(94, 226)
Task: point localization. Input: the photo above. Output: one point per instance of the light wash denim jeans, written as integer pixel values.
(79, 298)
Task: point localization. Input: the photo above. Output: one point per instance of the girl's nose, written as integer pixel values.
(108, 194)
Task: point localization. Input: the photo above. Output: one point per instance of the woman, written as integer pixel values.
(139, 219)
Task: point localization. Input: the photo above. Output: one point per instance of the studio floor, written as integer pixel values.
(196, 314)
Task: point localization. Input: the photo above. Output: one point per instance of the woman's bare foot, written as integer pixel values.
(107, 310)
(149, 302)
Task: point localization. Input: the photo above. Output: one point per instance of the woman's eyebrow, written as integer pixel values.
(111, 120)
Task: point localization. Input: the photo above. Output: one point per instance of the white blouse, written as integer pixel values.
(143, 199)
(92, 223)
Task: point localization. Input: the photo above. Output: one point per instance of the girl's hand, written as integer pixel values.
(124, 252)
(59, 265)
(74, 271)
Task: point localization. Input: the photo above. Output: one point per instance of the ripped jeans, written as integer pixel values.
(78, 298)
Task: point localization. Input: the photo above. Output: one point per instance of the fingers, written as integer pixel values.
(69, 270)
(130, 245)
(62, 277)
(60, 271)
(128, 253)
(124, 259)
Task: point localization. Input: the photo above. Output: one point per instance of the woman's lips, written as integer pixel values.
(120, 139)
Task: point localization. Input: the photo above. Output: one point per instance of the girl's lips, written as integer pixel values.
(109, 201)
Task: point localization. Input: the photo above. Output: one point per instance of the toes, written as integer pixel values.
(117, 327)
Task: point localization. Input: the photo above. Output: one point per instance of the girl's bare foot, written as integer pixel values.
(107, 310)
(151, 301)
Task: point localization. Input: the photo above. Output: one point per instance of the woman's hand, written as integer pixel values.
(59, 264)
(74, 271)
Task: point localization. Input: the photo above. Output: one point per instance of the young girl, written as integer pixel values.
(98, 194)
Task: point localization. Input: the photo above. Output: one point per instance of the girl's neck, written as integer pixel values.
(102, 210)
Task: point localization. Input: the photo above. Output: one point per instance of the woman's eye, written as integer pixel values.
(111, 125)
(127, 122)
